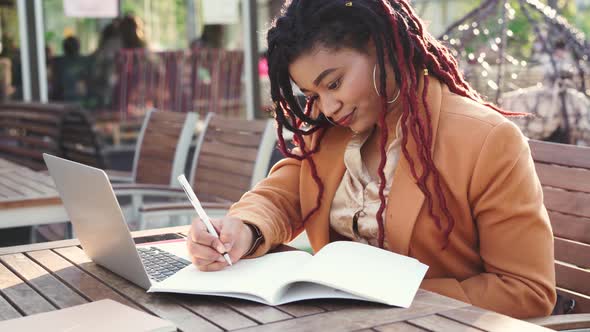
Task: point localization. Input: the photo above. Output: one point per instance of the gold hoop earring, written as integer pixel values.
(377, 90)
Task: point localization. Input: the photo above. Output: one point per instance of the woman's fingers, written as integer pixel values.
(212, 267)
(199, 251)
(200, 235)
(206, 250)
(228, 231)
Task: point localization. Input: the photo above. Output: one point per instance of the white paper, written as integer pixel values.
(376, 274)
(263, 277)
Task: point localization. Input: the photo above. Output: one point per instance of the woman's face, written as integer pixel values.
(342, 83)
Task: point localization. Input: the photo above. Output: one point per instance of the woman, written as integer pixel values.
(395, 150)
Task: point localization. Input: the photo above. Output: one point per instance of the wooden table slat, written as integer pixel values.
(45, 180)
(54, 290)
(437, 323)
(27, 300)
(489, 321)
(160, 305)
(300, 309)
(8, 192)
(352, 319)
(399, 327)
(431, 298)
(259, 312)
(21, 185)
(7, 165)
(77, 279)
(215, 311)
(6, 310)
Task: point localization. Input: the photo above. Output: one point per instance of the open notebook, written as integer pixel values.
(340, 270)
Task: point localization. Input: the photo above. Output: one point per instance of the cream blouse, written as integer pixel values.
(358, 193)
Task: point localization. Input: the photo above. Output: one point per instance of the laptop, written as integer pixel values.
(99, 224)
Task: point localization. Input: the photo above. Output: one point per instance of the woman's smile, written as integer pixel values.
(347, 119)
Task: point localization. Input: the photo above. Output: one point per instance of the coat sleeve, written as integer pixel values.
(273, 206)
(515, 236)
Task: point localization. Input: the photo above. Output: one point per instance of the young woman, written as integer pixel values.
(395, 150)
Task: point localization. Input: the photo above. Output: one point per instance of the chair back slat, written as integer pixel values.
(27, 130)
(582, 302)
(560, 154)
(227, 165)
(223, 177)
(564, 172)
(163, 146)
(567, 178)
(572, 278)
(228, 155)
(570, 227)
(247, 154)
(574, 252)
(568, 202)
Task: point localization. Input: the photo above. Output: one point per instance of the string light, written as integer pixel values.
(470, 28)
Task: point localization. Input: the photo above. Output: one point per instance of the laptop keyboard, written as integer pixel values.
(160, 264)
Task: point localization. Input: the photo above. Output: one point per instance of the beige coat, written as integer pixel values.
(500, 253)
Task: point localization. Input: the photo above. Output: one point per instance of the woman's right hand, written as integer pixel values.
(206, 251)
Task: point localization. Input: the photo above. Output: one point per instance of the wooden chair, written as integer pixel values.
(27, 130)
(160, 156)
(232, 155)
(564, 171)
(79, 140)
(161, 149)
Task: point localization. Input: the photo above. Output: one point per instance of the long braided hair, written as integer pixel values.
(401, 41)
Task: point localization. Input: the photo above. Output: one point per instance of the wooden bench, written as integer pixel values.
(564, 171)
(29, 129)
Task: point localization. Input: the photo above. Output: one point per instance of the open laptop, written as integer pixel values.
(100, 226)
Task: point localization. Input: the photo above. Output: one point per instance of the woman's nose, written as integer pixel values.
(330, 106)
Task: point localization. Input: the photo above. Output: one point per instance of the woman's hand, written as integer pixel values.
(206, 251)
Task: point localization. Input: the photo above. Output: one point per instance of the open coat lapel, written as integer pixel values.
(405, 199)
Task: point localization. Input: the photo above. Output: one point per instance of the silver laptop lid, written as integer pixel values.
(97, 218)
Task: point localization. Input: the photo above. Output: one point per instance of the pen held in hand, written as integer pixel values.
(192, 197)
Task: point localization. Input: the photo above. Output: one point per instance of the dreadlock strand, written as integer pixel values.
(381, 172)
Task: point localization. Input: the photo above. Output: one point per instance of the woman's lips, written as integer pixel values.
(345, 121)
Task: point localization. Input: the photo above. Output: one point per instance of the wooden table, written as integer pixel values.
(7, 164)
(49, 276)
(28, 197)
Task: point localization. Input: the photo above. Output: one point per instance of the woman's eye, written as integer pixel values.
(334, 85)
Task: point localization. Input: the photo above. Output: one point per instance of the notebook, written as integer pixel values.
(345, 269)
(90, 317)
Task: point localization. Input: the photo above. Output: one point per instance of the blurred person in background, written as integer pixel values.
(69, 73)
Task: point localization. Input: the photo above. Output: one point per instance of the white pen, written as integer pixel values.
(197, 205)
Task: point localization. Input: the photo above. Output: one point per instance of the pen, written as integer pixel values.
(197, 205)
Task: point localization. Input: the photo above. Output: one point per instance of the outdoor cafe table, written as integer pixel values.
(7, 164)
(48, 276)
(27, 197)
